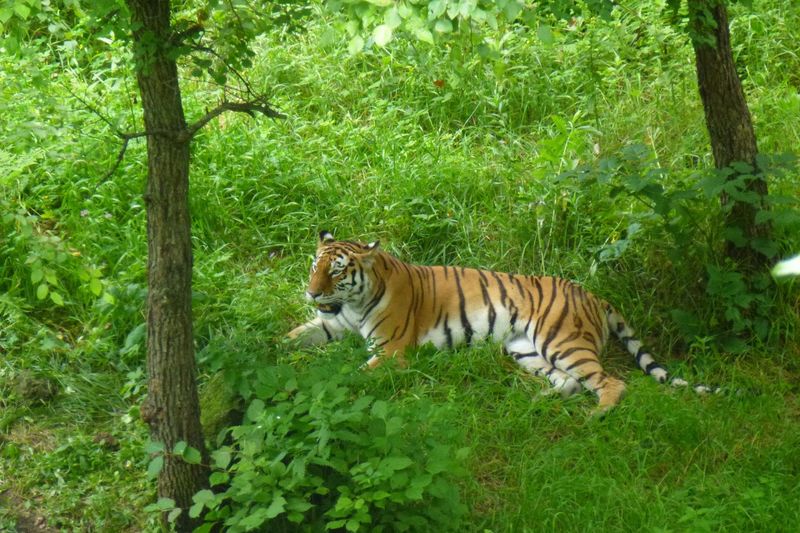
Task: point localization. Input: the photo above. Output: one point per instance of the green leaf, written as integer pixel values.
(36, 276)
(763, 216)
(436, 9)
(741, 167)
(380, 495)
(297, 504)
(356, 45)
(155, 466)
(163, 504)
(392, 18)
(512, 9)
(396, 463)
(361, 403)
(134, 337)
(424, 35)
(545, 34)
(56, 298)
(173, 514)
(328, 38)
(382, 34)
(452, 9)
(414, 492)
(765, 246)
(192, 455)
(179, 447)
(195, 510)
(203, 497)
(398, 480)
(154, 447)
(712, 184)
(22, 10)
(443, 26)
(42, 291)
(393, 426)
(344, 503)
(221, 458)
(96, 286)
(254, 519)
(734, 235)
(255, 410)
(218, 478)
(379, 409)
(276, 507)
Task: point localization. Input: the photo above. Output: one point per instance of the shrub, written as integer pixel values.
(320, 453)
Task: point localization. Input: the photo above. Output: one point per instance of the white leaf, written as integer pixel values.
(382, 34)
(356, 45)
(443, 26)
(392, 18)
(424, 35)
(787, 267)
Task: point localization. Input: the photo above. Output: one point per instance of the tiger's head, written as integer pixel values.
(339, 273)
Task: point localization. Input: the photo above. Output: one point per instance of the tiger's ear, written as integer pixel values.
(325, 237)
(370, 252)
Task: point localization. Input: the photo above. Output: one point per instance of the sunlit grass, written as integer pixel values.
(461, 172)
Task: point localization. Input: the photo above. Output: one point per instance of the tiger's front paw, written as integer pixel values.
(295, 333)
(377, 360)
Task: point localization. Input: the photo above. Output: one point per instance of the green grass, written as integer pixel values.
(460, 174)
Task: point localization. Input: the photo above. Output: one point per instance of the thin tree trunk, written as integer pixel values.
(728, 120)
(171, 408)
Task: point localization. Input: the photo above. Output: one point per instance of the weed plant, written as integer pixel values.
(448, 157)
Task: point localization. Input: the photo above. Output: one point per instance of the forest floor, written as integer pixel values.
(447, 157)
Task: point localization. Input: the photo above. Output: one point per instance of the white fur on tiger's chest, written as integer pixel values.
(347, 318)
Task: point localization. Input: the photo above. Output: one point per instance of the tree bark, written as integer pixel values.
(171, 408)
(729, 124)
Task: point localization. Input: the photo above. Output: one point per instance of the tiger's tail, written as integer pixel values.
(644, 358)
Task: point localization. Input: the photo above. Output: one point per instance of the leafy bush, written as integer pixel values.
(678, 208)
(322, 453)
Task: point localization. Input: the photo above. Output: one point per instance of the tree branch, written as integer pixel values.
(251, 107)
(91, 108)
(126, 137)
(242, 79)
(178, 38)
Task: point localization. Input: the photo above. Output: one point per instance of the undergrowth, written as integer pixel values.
(526, 161)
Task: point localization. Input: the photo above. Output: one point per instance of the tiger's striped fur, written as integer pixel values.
(551, 326)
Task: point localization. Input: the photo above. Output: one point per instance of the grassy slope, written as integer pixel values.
(461, 175)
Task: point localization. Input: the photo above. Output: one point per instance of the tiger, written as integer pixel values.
(552, 327)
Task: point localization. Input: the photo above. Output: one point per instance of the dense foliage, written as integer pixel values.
(317, 451)
(577, 150)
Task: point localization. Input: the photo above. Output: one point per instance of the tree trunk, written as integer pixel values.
(171, 408)
(728, 121)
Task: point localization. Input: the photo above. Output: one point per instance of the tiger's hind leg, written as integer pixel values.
(582, 364)
(537, 365)
(529, 359)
